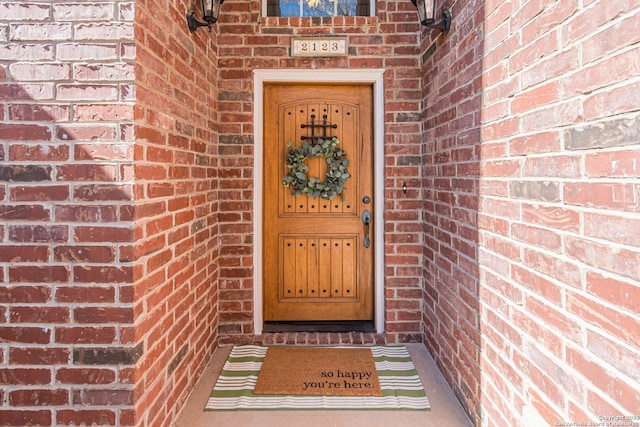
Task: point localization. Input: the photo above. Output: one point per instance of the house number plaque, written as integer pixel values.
(318, 46)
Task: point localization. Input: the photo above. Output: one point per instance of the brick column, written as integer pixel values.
(109, 237)
(66, 185)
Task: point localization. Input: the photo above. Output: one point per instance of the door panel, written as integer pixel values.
(316, 266)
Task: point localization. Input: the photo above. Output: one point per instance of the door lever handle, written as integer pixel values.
(366, 220)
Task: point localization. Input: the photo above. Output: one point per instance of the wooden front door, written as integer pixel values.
(318, 253)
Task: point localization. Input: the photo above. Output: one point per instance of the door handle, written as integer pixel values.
(366, 220)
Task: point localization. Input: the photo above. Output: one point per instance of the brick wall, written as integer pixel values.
(108, 238)
(533, 317)
(176, 217)
(452, 80)
(66, 186)
(389, 40)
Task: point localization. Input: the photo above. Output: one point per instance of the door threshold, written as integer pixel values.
(325, 326)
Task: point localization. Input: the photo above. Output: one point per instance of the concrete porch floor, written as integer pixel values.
(446, 411)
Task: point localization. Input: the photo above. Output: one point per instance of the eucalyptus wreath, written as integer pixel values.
(336, 175)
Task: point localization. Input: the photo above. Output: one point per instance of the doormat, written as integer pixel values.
(318, 371)
(399, 383)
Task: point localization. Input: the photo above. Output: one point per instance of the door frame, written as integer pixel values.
(373, 76)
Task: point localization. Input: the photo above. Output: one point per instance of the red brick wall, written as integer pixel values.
(389, 40)
(452, 103)
(531, 276)
(108, 238)
(67, 198)
(176, 217)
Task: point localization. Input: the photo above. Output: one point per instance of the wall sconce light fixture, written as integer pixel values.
(427, 15)
(210, 12)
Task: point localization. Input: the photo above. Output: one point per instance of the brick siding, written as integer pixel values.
(452, 67)
(66, 151)
(109, 239)
(531, 209)
(177, 208)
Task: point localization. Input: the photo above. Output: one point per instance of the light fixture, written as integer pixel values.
(210, 11)
(427, 15)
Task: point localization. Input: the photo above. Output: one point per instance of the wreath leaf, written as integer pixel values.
(336, 175)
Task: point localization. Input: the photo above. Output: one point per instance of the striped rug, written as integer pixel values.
(399, 381)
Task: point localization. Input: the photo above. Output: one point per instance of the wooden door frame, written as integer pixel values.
(373, 76)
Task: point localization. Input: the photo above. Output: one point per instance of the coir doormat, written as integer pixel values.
(318, 371)
(400, 385)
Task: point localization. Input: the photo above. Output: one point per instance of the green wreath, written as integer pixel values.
(336, 175)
